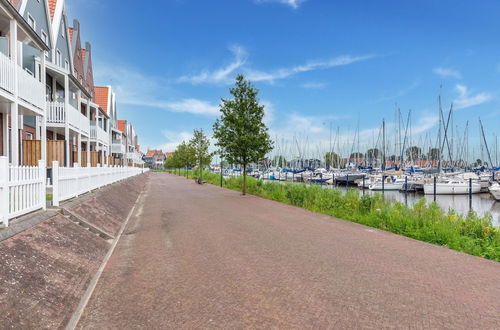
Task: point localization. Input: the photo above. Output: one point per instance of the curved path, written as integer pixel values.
(197, 257)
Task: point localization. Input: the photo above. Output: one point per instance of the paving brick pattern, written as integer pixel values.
(201, 257)
(44, 271)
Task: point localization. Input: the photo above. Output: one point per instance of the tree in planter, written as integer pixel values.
(241, 134)
(199, 144)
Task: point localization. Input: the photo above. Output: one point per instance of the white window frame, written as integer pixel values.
(58, 57)
(31, 18)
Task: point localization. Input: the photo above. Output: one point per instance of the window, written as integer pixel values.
(58, 57)
(46, 41)
(31, 21)
(66, 64)
(29, 136)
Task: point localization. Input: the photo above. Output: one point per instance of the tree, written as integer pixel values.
(357, 155)
(373, 153)
(413, 153)
(332, 160)
(241, 134)
(434, 154)
(199, 145)
(185, 154)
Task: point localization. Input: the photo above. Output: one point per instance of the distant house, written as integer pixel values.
(154, 159)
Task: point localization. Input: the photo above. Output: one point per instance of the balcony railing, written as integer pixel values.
(117, 148)
(7, 70)
(98, 133)
(57, 114)
(30, 89)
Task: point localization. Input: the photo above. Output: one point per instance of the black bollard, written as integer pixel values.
(406, 184)
(333, 180)
(321, 179)
(383, 184)
(434, 188)
(221, 175)
(347, 180)
(364, 180)
(470, 193)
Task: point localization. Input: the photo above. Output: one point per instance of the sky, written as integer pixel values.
(323, 67)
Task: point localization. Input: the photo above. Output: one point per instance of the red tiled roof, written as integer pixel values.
(52, 8)
(122, 125)
(15, 3)
(102, 97)
(169, 154)
(153, 152)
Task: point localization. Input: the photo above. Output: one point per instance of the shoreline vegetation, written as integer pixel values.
(469, 233)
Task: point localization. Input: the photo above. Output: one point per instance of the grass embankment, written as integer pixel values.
(469, 233)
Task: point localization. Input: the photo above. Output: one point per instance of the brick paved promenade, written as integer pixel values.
(201, 257)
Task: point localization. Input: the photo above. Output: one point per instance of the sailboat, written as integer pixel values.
(495, 190)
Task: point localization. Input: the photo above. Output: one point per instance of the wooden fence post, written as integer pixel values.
(55, 183)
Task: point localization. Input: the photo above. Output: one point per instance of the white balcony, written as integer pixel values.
(117, 148)
(7, 72)
(57, 116)
(30, 89)
(98, 134)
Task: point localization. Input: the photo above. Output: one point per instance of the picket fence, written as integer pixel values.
(69, 182)
(23, 188)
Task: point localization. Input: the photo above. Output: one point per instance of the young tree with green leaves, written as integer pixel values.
(241, 134)
(200, 144)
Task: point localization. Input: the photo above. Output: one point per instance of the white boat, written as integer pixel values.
(454, 186)
(390, 183)
(495, 191)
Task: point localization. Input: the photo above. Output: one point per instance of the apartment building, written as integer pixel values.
(50, 108)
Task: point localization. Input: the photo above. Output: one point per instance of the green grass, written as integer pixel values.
(469, 233)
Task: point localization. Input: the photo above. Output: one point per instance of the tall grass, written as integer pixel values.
(469, 233)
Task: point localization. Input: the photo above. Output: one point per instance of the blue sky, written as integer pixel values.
(315, 62)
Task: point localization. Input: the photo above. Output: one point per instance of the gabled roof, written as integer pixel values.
(102, 97)
(15, 3)
(52, 8)
(122, 125)
(154, 152)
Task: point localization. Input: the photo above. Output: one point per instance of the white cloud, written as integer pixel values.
(239, 63)
(465, 100)
(447, 73)
(314, 85)
(222, 75)
(173, 139)
(255, 75)
(135, 88)
(292, 3)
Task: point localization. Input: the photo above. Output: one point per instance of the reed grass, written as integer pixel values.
(470, 233)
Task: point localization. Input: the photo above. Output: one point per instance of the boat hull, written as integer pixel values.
(387, 186)
(451, 189)
(495, 192)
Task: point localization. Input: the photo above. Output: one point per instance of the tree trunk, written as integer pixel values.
(244, 180)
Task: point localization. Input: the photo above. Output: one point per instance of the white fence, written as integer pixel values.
(22, 189)
(69, 182)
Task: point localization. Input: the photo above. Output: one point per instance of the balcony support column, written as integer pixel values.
(87, 161)
(79, 151)
(5, 131)
(14, 108)
(43, 119)
(66, 121)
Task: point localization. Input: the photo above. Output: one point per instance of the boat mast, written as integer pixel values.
(383, 144)
(440, 113)
(485, 143)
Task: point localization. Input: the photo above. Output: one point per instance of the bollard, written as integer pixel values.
(364, 185)
(333, 180)
(321, 179)
(435, 188)
(470, 193)
(221, 175)
(406, 184)
(347, 180)
(383, 184)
